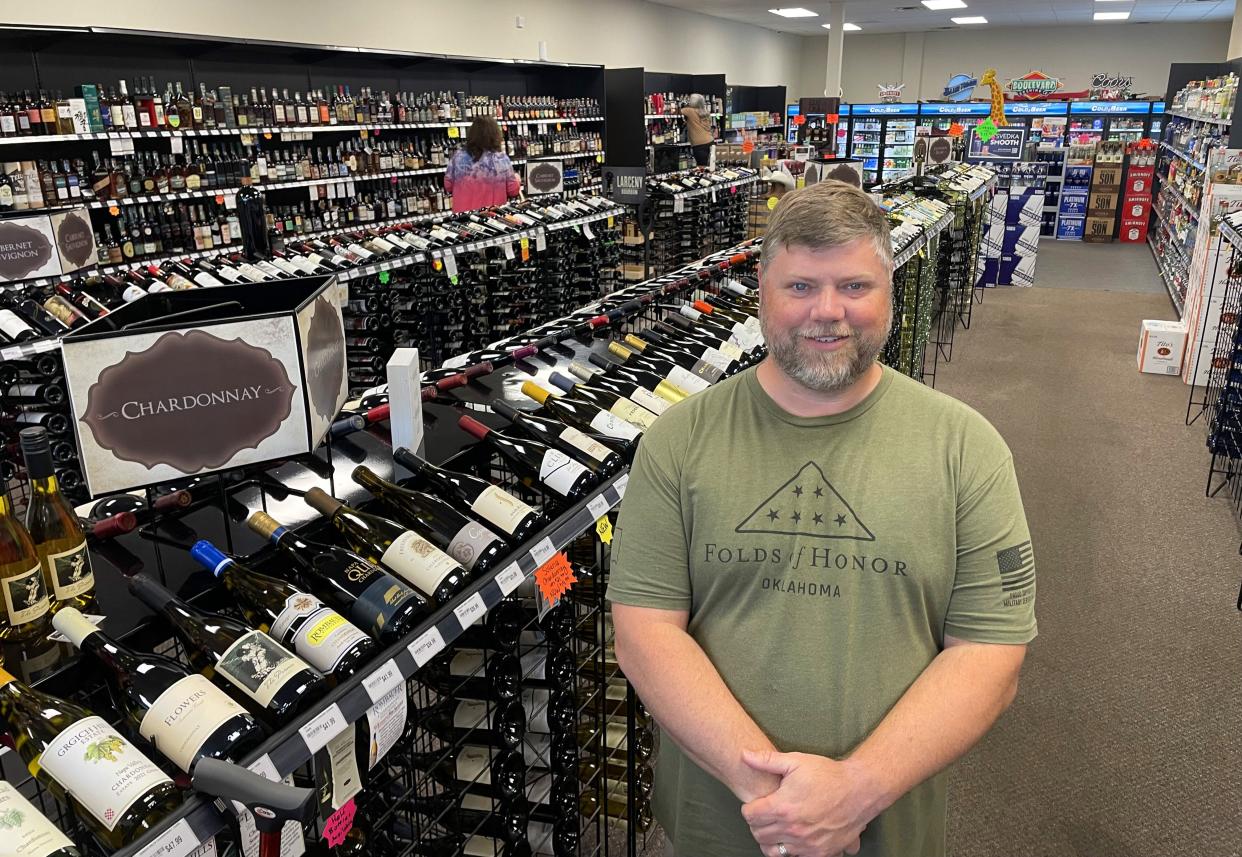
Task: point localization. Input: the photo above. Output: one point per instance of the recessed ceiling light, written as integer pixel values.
(938, 5)
(795, 12)
(849, 28)
(976, 19)
(1111, 16)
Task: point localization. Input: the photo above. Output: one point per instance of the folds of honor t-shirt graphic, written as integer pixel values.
(807, 505)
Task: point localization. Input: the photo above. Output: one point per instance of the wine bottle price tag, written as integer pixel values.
(313, 192)
(525, 249)
(230, 201)
(323, 728)
(713, 194)
(470, 610)
(542, 552)
(176, 145)
(553, 578)
(510, 579)
(427, 646)
(603, 528)
(541, 240)
(380, 682)
(116, 146)
(586, 230)
(599, 506)
(679, 205)
(178, 841)
(507, 246)
(450, 263)
(620, 485)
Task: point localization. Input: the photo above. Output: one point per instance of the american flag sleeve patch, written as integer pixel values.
(1016, 566)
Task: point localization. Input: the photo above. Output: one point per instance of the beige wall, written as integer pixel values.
(1071, 53)
(603, 32)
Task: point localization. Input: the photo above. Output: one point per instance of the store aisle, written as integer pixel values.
(1104, 267)
(1125, 738)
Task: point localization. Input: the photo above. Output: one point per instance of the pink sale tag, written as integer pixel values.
(338, 825)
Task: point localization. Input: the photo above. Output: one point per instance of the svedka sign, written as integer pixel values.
(192, 401)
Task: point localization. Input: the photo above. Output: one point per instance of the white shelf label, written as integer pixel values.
(323, 728)
(541, 241)
(598, 507)
(427, 646)
(620, 485)
(510, 579)
(263, 767)
(179, 840)
(379, 683)
(542, 552)
(470, 610)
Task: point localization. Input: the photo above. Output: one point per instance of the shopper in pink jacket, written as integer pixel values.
(480, 174)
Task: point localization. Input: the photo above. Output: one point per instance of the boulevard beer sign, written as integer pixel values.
(1034, 85)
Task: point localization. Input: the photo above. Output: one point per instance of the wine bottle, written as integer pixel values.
(683, 357)
(405, 553)
(742, 334)
(385, 606)
(657, 398)
(257, 669)
(673, 371)
(54, 527)
(551, 467)
(658, 343)
(606, 400)
(116, 791)
(27, 831)
(500, 724)
(584, 415)
(499, 772)
(472, 544)
(21, 579)
(707, 340)
(318, 634)
(181, 713)
(471, 674)
(594, 454)
(484, 500)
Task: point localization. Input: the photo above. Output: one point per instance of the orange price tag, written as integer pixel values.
(219, 199)
(748, 146)
(267, 135)
(363, 133)
(525, 249)
(832, 118)
(956, 130)
(114, 211)
(437, 264)
(555, 577)
(799, 120)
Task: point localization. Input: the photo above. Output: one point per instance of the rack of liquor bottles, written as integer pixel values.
(156, 136)
(754, 114)
(668, 141)
(935, 292)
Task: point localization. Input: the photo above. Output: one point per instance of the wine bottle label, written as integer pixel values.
(259, 665)
(534, 665)
(649, 400)
(102, 770)
(752, 324)
(11, 325)
(70, 572)
(319, 635)
(419, 562)
(560, 472)
(613, 426)
(688, 381)
(386, 720)
(535, 701)
(132, 294)
(632, 413)
(185, 717)
(25, 598)
(728, 349)
(468, 662)
(472, 714)
(27, 833)
(482, 846)
(584, 442)
(380, 601)
(470, 543)
(477, 803)
(500, 508)
(715, 358)
(474, 765)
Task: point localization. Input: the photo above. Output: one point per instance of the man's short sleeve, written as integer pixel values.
(993, 599)
(650, 566)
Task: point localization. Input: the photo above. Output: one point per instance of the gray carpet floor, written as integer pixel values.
(1105, 267)
(1126, 737)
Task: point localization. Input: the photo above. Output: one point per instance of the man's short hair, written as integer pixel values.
(826, 215)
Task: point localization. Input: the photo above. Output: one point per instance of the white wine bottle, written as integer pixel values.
(26, 832)
(116, 791)
(54, 527)
(24, 598)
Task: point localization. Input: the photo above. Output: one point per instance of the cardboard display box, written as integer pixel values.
(1108, 176)
(1070, 228)
(1102, 202)
(1098, 230)
(1162, 345)
(1133, 231)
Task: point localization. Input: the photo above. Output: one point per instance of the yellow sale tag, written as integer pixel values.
(363, 133)
(267, 135)
(772, 203)
(454, 132)
(599, 159)
(437, 264)
(610, 222)
(558, 126)
(525, 249)
(604, 528)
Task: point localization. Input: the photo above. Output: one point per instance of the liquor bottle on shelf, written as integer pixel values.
(29, 830)
(586, 450)
(14, 328)
(500, 723)
(255, 667)
(469, 542)
(550, 467)
(54, 527)
(318, 634)
(181, 713)
(116, 791)
(630, 384)
(586, 416)
(22, 589)
(410, 556)
(472, 674)
(483, 500)
(499, 772)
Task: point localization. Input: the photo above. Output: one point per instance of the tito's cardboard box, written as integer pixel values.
(183, 383)
(1161, 346)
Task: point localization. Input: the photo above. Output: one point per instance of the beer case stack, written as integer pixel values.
(1102, 203)
(1136, 203)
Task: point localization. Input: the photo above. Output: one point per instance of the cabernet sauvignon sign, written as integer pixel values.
(25, 250)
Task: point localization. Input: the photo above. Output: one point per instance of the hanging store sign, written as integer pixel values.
(884, 110)
(977, 108)
(960, 87)
(1003, 144)
(545, 177)
(1111, 87)
(1036, 108)
(624, 185)
(27, 249)
(1135, 108)
(890, 93)
(1034, 85)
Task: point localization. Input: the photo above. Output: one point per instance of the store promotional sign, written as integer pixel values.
(1131, 108)
(979, 108)
(890, 93)
(884, 110)
(46, 245)
(1110, 87)
(262, 382)
(1037, 108)
(1004, 145)
(545, 177)
(624, 185)
(960, 87)
(1034, 85)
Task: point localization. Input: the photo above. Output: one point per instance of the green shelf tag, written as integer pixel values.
(986, 129)
(385, 277)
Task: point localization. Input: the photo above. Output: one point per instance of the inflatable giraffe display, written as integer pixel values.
(998, 98)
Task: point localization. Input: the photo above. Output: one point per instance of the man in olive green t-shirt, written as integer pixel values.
(823, 582)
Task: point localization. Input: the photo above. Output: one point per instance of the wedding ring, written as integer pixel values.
(782, 850)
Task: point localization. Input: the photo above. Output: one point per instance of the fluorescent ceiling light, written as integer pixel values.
(849, 28)
(938, 5)
(795, 12)
(1111, 16)
(977, 19)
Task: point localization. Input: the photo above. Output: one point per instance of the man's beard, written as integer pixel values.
(825, 372)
